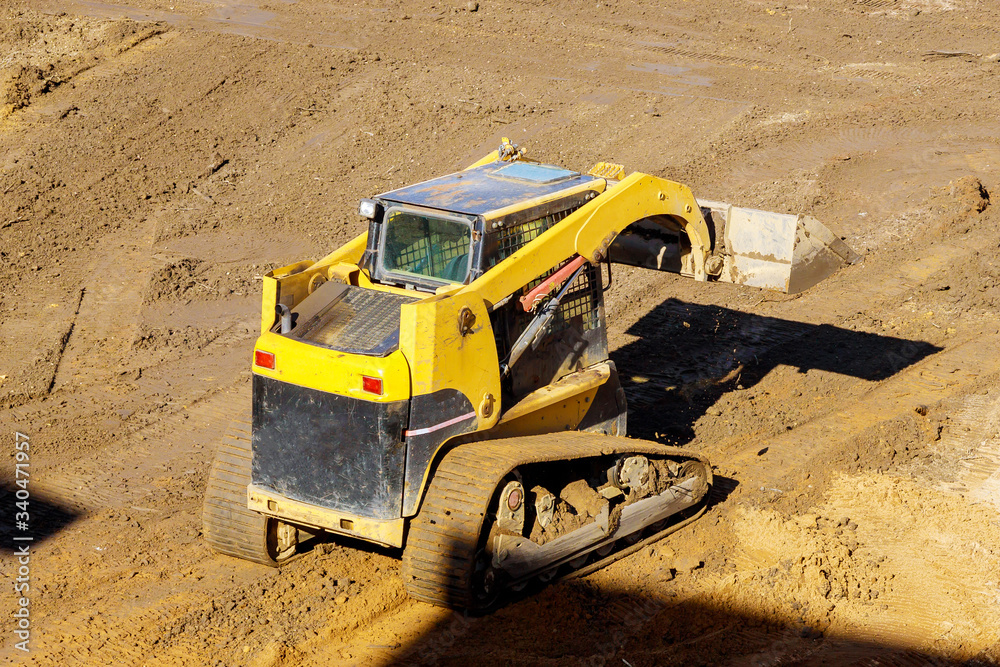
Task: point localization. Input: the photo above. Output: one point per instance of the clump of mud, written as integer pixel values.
(17, 87)
(176, 281)
(956, 205)
(887, 444)
(167, 338)
(831, 569)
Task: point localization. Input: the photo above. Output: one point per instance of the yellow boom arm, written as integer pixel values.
(590, 230)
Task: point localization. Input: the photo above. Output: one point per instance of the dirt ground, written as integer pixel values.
(158, 156)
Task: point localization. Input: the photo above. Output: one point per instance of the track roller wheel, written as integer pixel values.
(229, 527)
(632, 538)
(548, 575)
(606, 549)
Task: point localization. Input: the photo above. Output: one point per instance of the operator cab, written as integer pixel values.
(452, 229)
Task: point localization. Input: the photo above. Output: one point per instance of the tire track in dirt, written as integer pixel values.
(805, 155)
(183, 439)
(695, 56)
(192, 607)
(109, 314)
(974, 439)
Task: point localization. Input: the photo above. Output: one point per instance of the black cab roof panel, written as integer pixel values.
(488, 187)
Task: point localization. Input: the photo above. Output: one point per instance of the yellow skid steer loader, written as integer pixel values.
(442, 382)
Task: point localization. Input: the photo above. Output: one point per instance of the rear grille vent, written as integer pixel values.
(361, 321)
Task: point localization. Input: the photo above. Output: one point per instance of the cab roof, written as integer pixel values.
(489, 187)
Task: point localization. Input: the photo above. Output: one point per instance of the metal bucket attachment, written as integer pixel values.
(776, 251)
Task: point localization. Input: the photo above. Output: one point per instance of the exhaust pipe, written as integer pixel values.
(286, 317)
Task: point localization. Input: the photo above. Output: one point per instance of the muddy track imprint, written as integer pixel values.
(102, 481)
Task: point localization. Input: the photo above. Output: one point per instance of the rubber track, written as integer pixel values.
(444, 536)
(229, 527)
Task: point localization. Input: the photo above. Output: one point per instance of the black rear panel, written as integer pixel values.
(337, 452)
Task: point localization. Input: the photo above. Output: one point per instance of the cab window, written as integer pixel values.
(418, 244)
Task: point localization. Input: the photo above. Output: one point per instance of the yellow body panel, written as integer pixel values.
(265, 501)
(560, 406)
(268, 303)
(332, 371)
(441, 356)
(287, 286)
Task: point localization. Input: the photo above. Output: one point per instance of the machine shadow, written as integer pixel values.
(578, 623)
(688, 355)
(46, 517)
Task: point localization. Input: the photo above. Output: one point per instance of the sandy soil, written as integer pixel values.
(157, 156)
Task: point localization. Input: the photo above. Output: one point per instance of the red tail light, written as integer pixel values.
(263, 359)
(371, 385)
